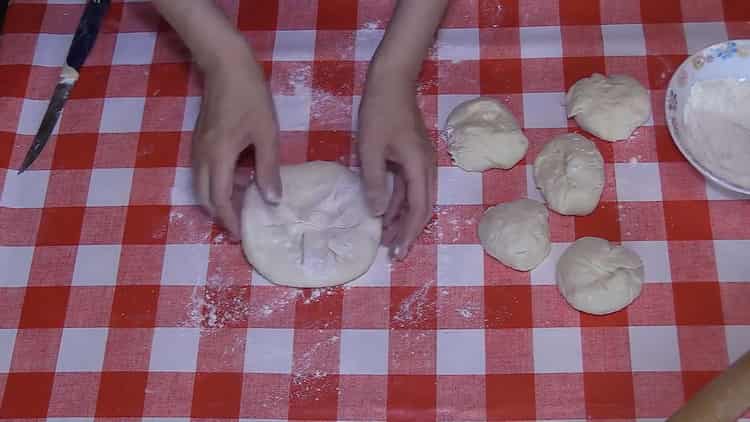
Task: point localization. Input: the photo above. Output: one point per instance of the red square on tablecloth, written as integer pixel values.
(504, 185)
(35, 350)
(52, 265)
(615, 319)
(511, 351)
(609, 395)
(734, 303)
(140, 264)
(605, 349)
(75, 151)
(212, 350)
(121, 394)
(217, 395)
(44, 307)
(410, 395)
(698, 303)
(157, 149)
(319, 309)
(461, 397)
(26, 395)
(551, 310)
(92, 83)
(498, 274)
(10, 312)
(89, 307)
(501, 76)
(694, 381)
(134, 306)
(618, 11)
(460, 307)
(17, 49)
(655, 306)
(559, 396)
(365, 307)
(168, 394)
(67, 188)
(511, 397)
(337, 14)
(582, 40)
(661, 11)
(60, 226)
(687, 220)
(265, 396)
(146, 224)
(458, 78)
(582, 67)
(254, 16)
(736, 10)
(508, 306)
(642, 221)
(19, 74)
(702, 348)
(139, 17)
(314, 397)
(542, 75)
(500, 43)
(103, 225)
(128, 349)
(330, 146)
(362, 397)
(657, 394)
(412, 352)
(413, 307)
(692, 261)
(168, 79)
(19, 226)
(418, 269)
(603, 222)
(579, 12)
(74, 394)
(493, 13)
(24, 18)
(660, 70)
(728, 219)
(681, 181)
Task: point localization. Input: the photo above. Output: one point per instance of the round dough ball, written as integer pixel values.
(598, 277)
(484, 135)
(321, 234)
(516, 233)
(569, 171)
(611, 108)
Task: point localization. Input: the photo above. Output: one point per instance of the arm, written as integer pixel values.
(236, 110)
(391, 129)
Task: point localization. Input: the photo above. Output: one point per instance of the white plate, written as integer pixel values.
(730, 59)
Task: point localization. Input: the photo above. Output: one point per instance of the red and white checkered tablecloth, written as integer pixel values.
(120, 300)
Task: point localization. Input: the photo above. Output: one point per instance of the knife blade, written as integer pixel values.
(80, 47)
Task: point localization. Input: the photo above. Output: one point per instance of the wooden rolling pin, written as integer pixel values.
(724, 399)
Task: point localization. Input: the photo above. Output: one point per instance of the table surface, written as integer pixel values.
(120, 299)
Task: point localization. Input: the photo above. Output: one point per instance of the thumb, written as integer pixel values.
(267, 173)
(374, 176)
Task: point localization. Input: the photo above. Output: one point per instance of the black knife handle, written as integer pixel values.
(88, 29)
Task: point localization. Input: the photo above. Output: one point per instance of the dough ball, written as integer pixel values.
(484, 135)
(516, 233)
(321, 234)
(609, 107)
(598, 277)
(569, 171)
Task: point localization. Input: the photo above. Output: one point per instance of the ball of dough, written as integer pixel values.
(516, 233)
(484, 135)
(611, 108)
(321, 234)
(598, 277)
(569, 171)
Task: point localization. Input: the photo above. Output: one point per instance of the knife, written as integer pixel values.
(83, 42)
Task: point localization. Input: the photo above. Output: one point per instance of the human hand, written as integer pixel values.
(236, 111)
(392, 136)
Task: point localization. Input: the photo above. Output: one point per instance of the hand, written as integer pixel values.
(237, 111)
(392, 135)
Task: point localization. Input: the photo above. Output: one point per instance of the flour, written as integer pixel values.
(717, 123)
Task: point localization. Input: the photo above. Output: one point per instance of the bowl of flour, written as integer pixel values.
(708, 113)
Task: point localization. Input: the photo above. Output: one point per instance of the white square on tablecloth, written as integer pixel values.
(531, 191)
(122, 115)
(96, 265)
(366, 43)
(624, 40)
(269, 350)
(738, 340)
(182, 192)
(190, 116)
(51, 49)
(162, 419)
(364, 352)
(557, 350)
(446, 104)
(293, 112)
(460, 265)
(134, 48)
(655, 257)
(185, 265)
(458, 44)
(174, 349)
(546, 272)
(731, 260)
(700, 35)
(15, 262)
(654, 349)
(32, 112)
(110, 187)
(460, 352)
(82, 350)
(25, 190)
(459, 187)
(638, 182)
(541, 42)
(298, 45)
(543, 110)
(7, 342)
(379, 273)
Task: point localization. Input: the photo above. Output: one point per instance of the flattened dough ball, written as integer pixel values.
(569, 171)
(598, 277)
(321, 234)
(516, 233)
(611, 108)
(485, 135)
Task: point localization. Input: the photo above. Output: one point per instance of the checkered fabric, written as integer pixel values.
(120, 300)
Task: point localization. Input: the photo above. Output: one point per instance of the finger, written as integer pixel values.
(221, 178)
(373, 163)
(200, 168)
(416, 175)
(267, 173)
(397, 202)
(390, 233)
